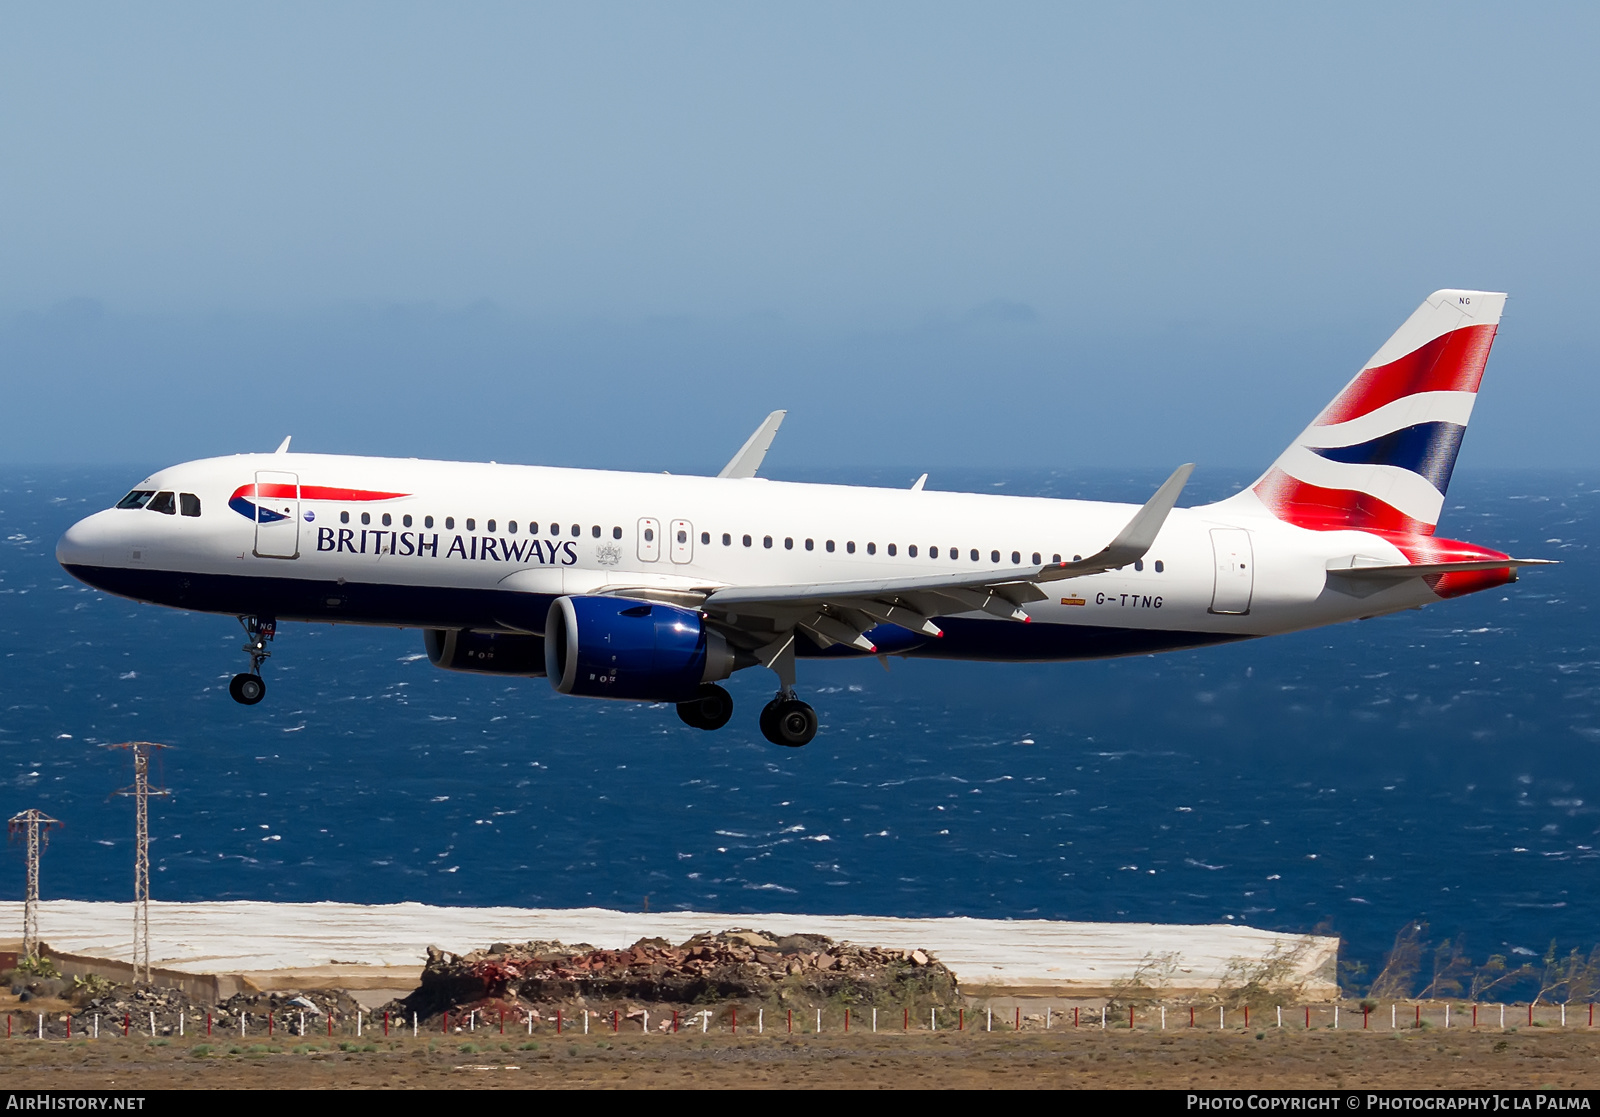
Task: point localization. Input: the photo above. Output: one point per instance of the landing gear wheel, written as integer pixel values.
(247, 690)
(710, 709)
(788, 722)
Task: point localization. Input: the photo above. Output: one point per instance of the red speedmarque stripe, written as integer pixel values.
(1452, 362)
(313, 492)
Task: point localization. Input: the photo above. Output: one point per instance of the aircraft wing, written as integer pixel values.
(842, 612)
(754, 451)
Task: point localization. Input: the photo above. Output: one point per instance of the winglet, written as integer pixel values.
(283, 447)
(1133, 540)
(916, 486)
(748, 459)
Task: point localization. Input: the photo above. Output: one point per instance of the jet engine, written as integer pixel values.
(615, 647)
(485, 653)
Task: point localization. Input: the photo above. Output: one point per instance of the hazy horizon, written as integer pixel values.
(1024, 234)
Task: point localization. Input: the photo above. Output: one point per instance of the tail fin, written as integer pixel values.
(1379, 457)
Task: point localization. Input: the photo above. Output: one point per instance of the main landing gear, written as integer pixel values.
(710, 709)
(249, 687)
(788, 721)
(785, 720)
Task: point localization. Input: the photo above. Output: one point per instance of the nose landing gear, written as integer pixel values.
(248, 688)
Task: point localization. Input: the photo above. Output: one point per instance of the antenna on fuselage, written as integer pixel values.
(916, 486)
(283, 447)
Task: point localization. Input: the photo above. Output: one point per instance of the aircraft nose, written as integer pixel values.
(89, 542)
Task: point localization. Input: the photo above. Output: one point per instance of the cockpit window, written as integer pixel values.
(163, 502)
(136, 499)
(188, 504)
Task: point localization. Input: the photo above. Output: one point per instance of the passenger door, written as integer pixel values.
(1235, 571)
(277, 503)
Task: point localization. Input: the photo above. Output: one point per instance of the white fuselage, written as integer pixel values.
(453, 545)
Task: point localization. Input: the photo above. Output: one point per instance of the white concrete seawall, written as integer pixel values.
(270, 945)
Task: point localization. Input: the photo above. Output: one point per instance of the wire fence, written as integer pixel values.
(299, 1024)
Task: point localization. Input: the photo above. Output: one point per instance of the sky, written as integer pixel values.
(940, 235)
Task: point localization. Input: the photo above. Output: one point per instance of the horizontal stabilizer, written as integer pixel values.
(1423, 569)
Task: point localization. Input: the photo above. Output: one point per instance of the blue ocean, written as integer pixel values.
(1436, 765)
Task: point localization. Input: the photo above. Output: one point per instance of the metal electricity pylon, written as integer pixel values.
(35, 825)
(141, 792)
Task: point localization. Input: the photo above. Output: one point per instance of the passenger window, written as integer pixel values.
(344, 517)
(472, 524)
(427, 521)
(766, 541)
(189, 504)
(872, 548)
(829, 545)
(490, 525)
(851, 546)
(163, 502)
(595, 531)
(975, 555)
(810, 546)
(449, 523)
(747, 541)
(649, 535)
(387, 521)
(533, 527)
(891, 550)
(405, 521)
(366, 518)
(933, 552)
(683, 536)
(1138, 564)
(1077, 558)
(1036, 560)
(955, 554)
(136, 499)
(616, 533)
(511, 527)
(912, 551)
(1160, 566)
(994, 556)
(577, 530)
(705, 537)
(788, 543)
(1055, 558)
(727, 540)
(555, 529)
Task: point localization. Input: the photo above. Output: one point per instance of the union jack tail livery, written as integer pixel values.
(1379, 456)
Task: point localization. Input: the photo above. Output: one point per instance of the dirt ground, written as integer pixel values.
(1177, 1059)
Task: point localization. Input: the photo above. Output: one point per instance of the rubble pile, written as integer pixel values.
(738, 965)
(137, 1002)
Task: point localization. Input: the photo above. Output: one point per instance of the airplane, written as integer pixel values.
(655, 588)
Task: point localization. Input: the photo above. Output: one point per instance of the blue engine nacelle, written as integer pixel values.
(485, 653)
(615, 647)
